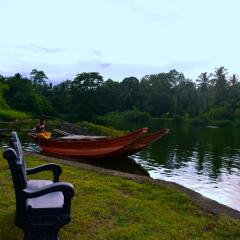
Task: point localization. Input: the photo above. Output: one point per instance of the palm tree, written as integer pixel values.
(233, 80)
(203, 82)
(219, 82)
(219, 76)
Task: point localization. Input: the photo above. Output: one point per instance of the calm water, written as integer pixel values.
(206, 160)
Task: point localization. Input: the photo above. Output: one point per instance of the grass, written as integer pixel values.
(101, 130)
(9, 114)
(107, 207)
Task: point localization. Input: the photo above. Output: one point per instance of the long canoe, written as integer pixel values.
(145, 140)
(140, 144)
(89, 149)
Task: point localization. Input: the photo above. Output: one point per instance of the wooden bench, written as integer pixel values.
(42, 206)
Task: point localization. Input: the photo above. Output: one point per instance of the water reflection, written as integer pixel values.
(125, 164)
(205, 160)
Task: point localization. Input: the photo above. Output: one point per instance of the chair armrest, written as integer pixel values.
(56, 169)
(66, 188)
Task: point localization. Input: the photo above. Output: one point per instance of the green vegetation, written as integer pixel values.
(3, 90)
(13, 115)
(100, 130)
(211, 99)
(118, 120)
(107, 207)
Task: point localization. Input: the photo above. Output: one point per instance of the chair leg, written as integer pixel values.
(53, 235)
(27, 235)
(45, 233)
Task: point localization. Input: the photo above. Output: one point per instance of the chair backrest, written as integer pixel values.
(16, 168)
(16, 145)
(19, 183)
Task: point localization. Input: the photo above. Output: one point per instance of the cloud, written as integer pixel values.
(155, 11)
(96, 52)
(154, 16)
(105, 65)
(34, 48)
(187, 65)
(59, 72)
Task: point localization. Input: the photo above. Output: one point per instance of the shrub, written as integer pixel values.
(237, 123)
(123, 120)
(100, 130)
(222, 123)
(136, 117)
(13, 115)
(237, 113)
(178, 120)
(219, 113)
(200, 121)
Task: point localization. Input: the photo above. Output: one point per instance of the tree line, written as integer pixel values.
(212, 95)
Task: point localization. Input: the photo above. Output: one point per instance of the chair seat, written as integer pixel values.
(50, 200)
(35, 184)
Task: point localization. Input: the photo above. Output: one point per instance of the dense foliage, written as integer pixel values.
(214, 96)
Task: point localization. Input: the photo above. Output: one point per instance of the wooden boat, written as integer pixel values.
(145, 140)
(89, 149)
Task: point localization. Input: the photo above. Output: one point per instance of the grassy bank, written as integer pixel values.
(107, 207)
(10, 115)
(100, 130)
(134, 118)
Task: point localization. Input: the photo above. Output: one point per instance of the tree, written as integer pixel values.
(38, 81)
(21, 96)
(61, 97)
(175, 78)
(3, 89)
(129, 93)
(2, 79)
(109, 95)
(187, 98)
(85, 101)
(87, 81)
(203, 81)
(219, 82)
(156, 93)
(233, 100)
(233, 80)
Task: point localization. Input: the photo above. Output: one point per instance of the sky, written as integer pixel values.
(118, 38)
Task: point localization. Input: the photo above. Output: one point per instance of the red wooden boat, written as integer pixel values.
(89, 149)
(145, 140)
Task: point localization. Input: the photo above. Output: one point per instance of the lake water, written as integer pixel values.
(206, 160)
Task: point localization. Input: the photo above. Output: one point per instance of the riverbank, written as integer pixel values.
(108, 205)
(133, 118)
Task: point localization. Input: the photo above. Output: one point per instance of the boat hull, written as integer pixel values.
(102, 148)
(145, 140)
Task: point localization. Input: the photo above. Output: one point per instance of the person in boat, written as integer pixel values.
(41, 131)
(40, 127)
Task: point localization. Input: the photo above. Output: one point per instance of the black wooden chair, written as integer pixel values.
(42, 208)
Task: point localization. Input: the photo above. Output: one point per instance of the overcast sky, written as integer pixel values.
(118, 38)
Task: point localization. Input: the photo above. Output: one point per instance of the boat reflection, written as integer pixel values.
(123, 164)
